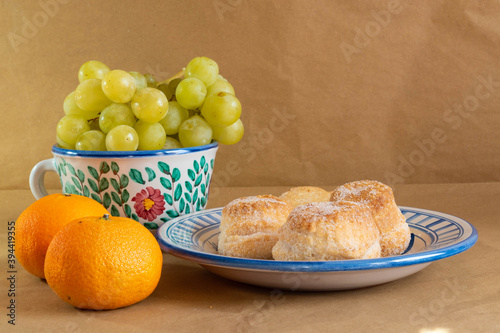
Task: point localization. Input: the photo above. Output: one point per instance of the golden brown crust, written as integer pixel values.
(328, 231)
(249, 225)
(394, 231)
(302, 195)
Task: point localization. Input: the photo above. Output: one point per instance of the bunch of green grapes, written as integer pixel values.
(116, 110)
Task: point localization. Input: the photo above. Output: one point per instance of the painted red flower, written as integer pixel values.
(149, 203)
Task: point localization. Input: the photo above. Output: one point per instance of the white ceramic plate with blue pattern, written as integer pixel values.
(435, 236)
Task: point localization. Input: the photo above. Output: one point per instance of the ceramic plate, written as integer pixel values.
(435, 236)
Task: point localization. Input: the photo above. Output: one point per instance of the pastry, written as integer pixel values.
(248, 226)
(302, 195)
(328, 231)
(394, 231)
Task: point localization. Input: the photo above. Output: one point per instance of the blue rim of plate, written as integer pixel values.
(138, 153)
(467, 237)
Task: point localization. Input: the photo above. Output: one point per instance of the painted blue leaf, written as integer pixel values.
(136, 176)
(151, 174)
(168, 198)
(93, 172)
(178, 192)
(191, 174)
(164, 167)
(166, 183)
(176, 174)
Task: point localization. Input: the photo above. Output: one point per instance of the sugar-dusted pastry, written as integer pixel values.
(249, 225)
(302, 195)
(394, 231)
(328, 231)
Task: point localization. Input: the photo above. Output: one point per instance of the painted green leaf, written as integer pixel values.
(195, 196)
(172, 213)
(93, 172)
(63, 169)
(136, 176)
(77, 183)
(68, 188)
(164, 219)
(212, 163)
(103, 184)
(168, 198)
(80, 175)
(114, 211)
(205, 169)
(166, 183)
(182, 203)
(198, 206)
(202, 161)
(135, 217)
(189, 187)
(104, 167)
(178, 192)
(114, 167)
(176, 174)
(196, 166)
(198, 180)
(151, 225)
(128, 210)
(125, 196)
(207, 182)
(203, 188)
(164, 167)
(86, 191)
(123, 181)
(93, 185)
(203, 201)
(115, 185)
(187, 196)
(71, 169)
(191, 174)
(188, 210)
(96, 198)
(116, 198)
(106, 200)
(151, 174)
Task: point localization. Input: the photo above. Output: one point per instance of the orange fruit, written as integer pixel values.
(37, 225)
(103, 263)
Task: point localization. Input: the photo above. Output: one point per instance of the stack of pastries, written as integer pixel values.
(358, 220)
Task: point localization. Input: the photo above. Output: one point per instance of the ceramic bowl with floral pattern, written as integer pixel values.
(151, 187)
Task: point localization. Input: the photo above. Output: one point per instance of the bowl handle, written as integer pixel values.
(37, 177)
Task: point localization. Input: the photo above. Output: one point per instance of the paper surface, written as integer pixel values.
(332, 91)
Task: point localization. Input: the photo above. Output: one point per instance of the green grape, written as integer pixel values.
(166, 90)
(63, 144)
(114, 115)
(221, 109)
(202, 68)
(175, 117)
(118, 86)
(150, 80)
(90, 97)
(174, 83)
(91, 140)
(94, 124)
(229, 135)
(220, 85)
(190, 93)
(149, 105)
(70, 108)
(195, 132)
(151, 135)
(172, 143)
(92, 70)
(140, 80)
(69, 128)
(122, 138)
